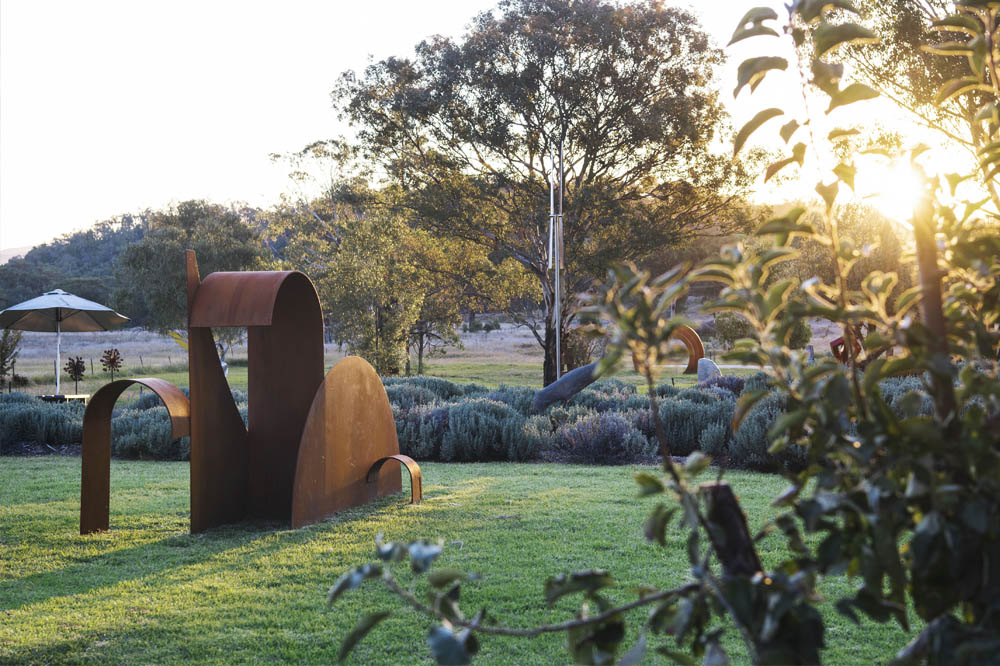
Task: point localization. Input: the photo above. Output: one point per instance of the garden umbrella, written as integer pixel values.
(58, 311)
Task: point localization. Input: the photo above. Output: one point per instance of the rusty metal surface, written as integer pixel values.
(416, 478)
(239, 471)
(285, 368)
(238, 299)
(696, 350)
(95, 478)
(350, 426)
(219, 452)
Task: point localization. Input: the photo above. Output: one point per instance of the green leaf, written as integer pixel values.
(840, 133)
(957, 87)
(788, 129)
(786, 226)
(959, 22)
(988, 113)
(752, 24)
(678, 657)
(775, 167)
(988, 148)
(609, 360)
(826, 76)
(751, 127)
(846, 173)
(789, 421)
(753, 70)
(776, 294)
(828, 192)
(954, 180)
(422, 554)
(798, 155)
(949, 49)
(812, 10)
(389, 552)
(588, 582)
(746, 403)
(694, 546)
(443, 577)
(856, 92)
(776, 255)
(352, 579)
(828, 37)
(450, 649)
(648, 484)
(655, 527)
(634, 656)
(360, 630)
(696, 462)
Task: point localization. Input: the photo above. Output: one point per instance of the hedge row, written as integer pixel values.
(438, 420)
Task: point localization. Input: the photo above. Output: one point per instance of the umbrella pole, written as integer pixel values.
(58, 343)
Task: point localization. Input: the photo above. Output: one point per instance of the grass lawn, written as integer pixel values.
(149, 592)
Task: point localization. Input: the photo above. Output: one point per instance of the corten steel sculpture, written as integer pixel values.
(95, 486)
(576, 380)
(695, 348)
(311, 445)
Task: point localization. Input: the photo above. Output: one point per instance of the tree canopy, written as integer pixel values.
(80, 263)
(151, 273)
(387, 287)
(469, 131)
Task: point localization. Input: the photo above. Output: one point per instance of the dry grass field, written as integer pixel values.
(507, 356)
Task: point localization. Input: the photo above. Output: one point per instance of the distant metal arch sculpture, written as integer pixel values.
(576, 380)
(695, 347)
(95, 478)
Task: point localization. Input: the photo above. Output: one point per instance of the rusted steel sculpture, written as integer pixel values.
(95, 481)
(416, 478)
(695, 348)
(576, 380)
(309, 443)
(350, 415)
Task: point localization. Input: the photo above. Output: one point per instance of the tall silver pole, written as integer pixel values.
(58, 344)
(558, 263)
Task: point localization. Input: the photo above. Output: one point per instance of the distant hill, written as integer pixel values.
(81, 262)
(7, 255)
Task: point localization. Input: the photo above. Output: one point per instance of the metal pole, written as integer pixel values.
(58, 344)
(558, 263)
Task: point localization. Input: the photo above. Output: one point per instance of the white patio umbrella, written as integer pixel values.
(57, 311)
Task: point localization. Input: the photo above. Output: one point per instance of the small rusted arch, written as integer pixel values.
(95, 479)
(416, 480)
(695, 347)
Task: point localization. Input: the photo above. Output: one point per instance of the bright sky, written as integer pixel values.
(110, 106)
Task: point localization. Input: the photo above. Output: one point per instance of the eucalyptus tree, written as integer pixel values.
(470, 130)
(150, 273)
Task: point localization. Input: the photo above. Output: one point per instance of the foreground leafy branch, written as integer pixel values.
(906, 504)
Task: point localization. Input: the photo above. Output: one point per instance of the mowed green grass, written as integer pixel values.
(149, 592)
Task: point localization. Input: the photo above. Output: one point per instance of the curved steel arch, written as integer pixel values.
(695, 347)
(95, 479)
(237, 471)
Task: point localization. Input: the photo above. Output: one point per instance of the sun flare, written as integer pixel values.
(893, 189)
